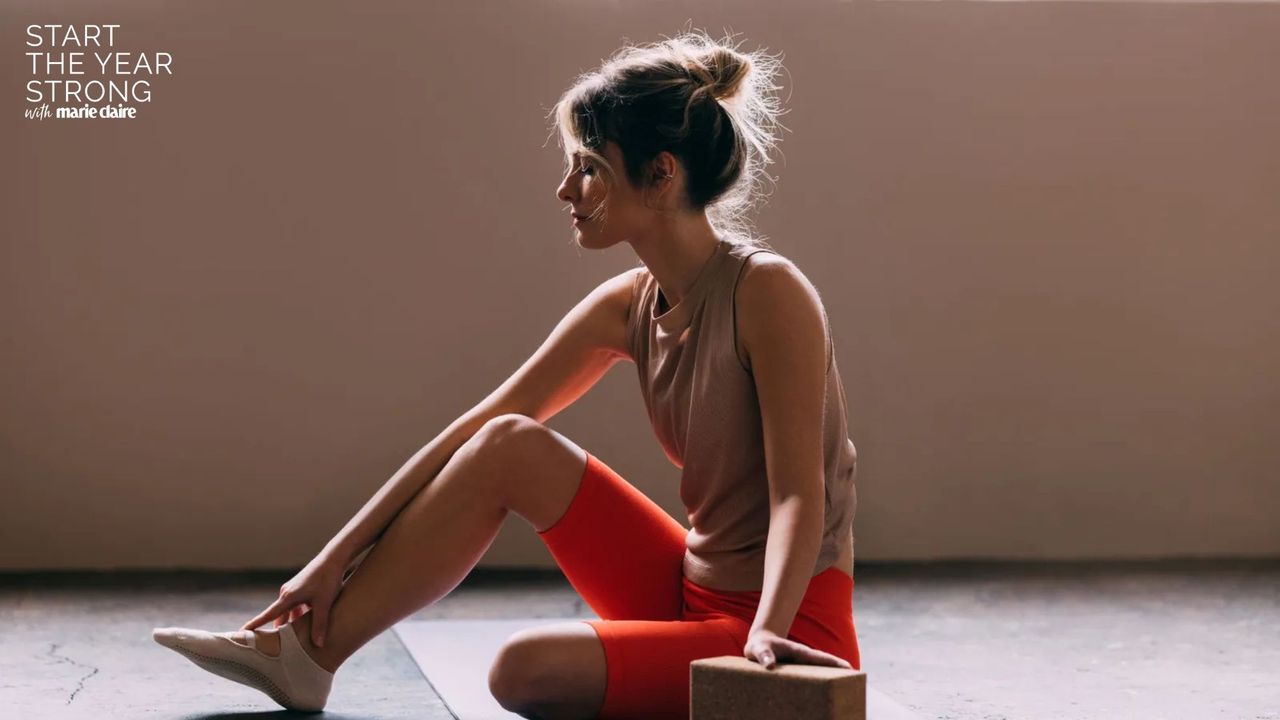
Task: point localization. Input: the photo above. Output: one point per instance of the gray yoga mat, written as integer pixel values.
(455, 656)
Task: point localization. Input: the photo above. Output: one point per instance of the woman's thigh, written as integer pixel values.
(647, 662)
(824, 620)
(622, 552)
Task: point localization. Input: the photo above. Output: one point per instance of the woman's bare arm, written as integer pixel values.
(589, 340)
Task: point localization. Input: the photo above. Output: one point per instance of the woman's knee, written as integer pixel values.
(537, 470)
(505, 431)
(516, 676)
(496, 439)
(558, 667)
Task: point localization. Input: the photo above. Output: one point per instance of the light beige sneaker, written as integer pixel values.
(292, 679)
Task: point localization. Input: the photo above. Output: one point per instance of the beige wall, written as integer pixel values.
(1046, 234)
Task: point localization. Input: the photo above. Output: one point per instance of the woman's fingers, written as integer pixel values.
(291, 614)
(821, 658)
(812, 656)
(272, 611)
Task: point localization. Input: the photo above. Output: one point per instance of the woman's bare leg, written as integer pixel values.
(513, 463)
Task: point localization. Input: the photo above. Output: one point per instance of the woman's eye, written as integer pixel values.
(588, 170)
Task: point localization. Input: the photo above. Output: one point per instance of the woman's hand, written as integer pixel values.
(314, 588)
(767, 648)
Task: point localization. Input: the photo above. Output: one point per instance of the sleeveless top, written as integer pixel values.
(702, 404)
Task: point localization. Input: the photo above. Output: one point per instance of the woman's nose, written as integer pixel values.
(563, 192)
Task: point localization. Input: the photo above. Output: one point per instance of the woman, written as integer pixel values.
(664, 144)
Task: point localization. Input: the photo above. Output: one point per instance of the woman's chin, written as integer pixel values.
(592, 241)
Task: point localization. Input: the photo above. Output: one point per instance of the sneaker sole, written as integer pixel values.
(239, 672)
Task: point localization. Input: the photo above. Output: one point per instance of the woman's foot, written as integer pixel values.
(289, 675)
(268, 641)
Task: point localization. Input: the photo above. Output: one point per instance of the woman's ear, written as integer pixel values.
(664, 166)
(660, 181)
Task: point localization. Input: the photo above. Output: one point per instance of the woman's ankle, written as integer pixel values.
(323, 656)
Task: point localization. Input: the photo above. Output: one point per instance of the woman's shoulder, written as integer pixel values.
(758, 249)
(761, 260)
(637, 277)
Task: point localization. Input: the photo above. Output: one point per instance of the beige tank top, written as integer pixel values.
(702, 403)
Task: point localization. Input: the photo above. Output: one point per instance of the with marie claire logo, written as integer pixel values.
(78, 73)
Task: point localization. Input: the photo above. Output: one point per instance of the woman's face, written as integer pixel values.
(613, 211)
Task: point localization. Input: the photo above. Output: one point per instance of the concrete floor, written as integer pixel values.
(1185, 639)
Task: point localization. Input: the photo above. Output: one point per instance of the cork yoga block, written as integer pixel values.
(735, 688)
